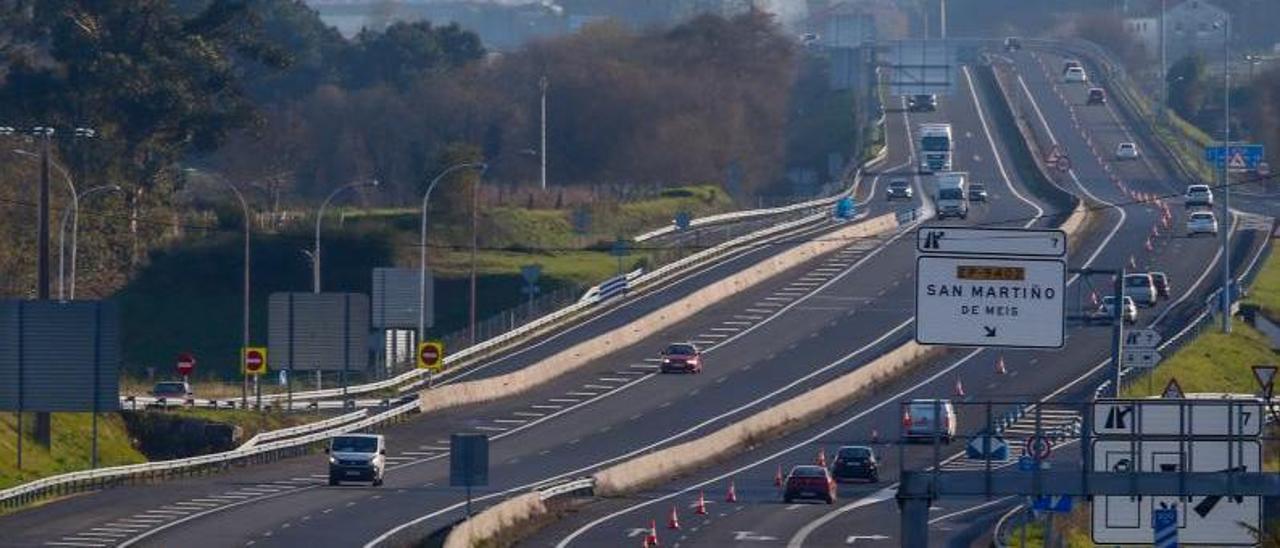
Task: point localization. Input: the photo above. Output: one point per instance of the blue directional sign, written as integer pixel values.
(845, 208)
(995, 448)
(1237, 157)
(1027, 464)
(682, 220)
(1164, 526)
(1051, 503)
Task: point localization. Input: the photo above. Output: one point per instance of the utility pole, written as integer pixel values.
(44, 420)
(475, 204)
(1225, 222)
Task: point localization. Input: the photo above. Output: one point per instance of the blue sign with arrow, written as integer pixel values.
(987, 447)
(845, 208)
(1164, 526)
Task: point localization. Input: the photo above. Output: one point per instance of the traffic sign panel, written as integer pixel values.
(1266, 376)
(1051, 503)
(1203, 519)
(1193, 417)
(992, 241)
(431, 355)
(1242, 157)
(1142, 338)
(1037, 447)
(987, 447)
(1173, 390)
(1140, 357)
(186, 363)
(254, 360)
(979, 301)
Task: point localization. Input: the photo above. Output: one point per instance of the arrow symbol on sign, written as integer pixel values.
(991, 331)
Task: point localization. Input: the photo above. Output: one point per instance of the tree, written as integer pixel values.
(407, 51)
(1186, 80)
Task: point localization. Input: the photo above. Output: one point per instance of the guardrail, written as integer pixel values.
(574, 487)
(87, 480)
(303, 428)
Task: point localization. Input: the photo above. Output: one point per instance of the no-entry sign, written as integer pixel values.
(431, 355)
(186, 363)
(255, 360)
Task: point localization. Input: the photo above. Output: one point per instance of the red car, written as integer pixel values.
(681, 358)
(809, 481)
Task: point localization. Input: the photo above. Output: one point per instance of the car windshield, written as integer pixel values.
(1197, 190)
(898, 185)
(1201, 216)
(1137, 281)
(1108, 300)
(950, 194)
(808, 472)
(855, 453)
(681, 350)
(936, 144)
(354, 444)
(977, 186)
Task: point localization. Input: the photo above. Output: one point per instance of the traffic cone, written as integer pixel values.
(1148, 244)
(732, 495)
(822, 457)
(651, 539)
(906, 419)
(1000, 369)
(959, 388)
(1133, 263)
(674, 521)
(1093, 297)
(875, 435)
(1155, 230)
(701, 508)
(777, 477)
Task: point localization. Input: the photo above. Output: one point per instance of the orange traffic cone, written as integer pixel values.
(651, 539)
(906, 419)
(777, 477)
(674, 521)
(1155, 230)
(1000, 369)
(822, 457)
(1093, 298)
(1133, 263)
(959, 388)
(732, 495)
(701, 508)
(1148, 244)
(875, 435)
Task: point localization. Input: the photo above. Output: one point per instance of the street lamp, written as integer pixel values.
(422, 247)
(1225, 25)
(315, 254)
(75, 209)
(75, 238)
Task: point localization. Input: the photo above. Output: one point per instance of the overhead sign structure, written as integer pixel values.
(922, 67)
(431, 356)
(988, 301)
(1197, 417)
(254, 361)
(991, 241)
(1201, 519)
(1241, 157)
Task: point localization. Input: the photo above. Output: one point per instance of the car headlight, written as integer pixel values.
(333, 460)
(666, 360)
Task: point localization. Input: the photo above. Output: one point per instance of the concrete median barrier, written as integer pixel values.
(578, 355)
(664, 465)
(486, 527)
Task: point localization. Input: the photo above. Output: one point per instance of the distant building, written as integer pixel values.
(1189, 27)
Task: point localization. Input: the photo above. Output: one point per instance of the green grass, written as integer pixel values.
(1265, 291)
(253, 422)
(1213, 362)
(70, 449)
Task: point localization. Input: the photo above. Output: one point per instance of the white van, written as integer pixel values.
(1141, 287)
(926, 418)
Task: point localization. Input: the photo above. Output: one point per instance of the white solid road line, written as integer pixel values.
(986, 130)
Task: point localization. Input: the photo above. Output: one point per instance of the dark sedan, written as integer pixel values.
(856, 462)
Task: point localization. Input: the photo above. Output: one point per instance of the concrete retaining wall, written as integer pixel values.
(578, 355)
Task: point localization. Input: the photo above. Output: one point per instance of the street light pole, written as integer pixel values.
(1226, 181)
(422, 242)
(542, 84)
(315, 253)
(75, 227)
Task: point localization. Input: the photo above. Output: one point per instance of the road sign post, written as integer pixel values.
(431, 356)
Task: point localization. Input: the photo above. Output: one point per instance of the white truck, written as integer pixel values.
(935, 147)
(951, 197)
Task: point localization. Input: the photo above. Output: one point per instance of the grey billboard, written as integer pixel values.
(59, 356)
(325, 331)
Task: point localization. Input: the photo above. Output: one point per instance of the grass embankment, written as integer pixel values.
(1213, 362)
(70, 451)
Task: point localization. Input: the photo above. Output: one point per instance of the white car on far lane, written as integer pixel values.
(1075, 75)
(1202, 222)
(1127, 151)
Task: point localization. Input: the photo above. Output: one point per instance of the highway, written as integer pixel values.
(600, 413)
(866, 514)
